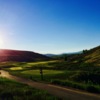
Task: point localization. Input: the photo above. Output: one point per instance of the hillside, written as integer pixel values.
(20, 56)
(93, 55)
(88, 56)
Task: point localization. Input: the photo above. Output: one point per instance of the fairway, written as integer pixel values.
(42, 62)
(45, 72)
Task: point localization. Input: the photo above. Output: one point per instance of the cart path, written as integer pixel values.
(61, 92)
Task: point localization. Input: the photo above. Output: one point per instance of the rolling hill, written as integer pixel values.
(93, 55)
(88, 56)
(20, 56)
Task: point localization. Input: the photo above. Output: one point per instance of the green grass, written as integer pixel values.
(43, 62)
(11, 90)
(45, 72)
(16, 68)
(48, 75)
(33, 74)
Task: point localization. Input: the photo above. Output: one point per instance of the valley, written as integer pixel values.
(78, 71)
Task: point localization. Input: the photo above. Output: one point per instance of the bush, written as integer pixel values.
(69, 83)
(56, 82)
(89, 88)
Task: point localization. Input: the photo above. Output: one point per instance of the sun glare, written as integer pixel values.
(1, 43)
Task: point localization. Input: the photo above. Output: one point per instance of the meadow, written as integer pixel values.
(83, 76)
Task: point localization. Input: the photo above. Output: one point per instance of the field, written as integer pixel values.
(11, 90)
(84, 76)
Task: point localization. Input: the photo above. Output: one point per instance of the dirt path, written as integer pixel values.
(63, 93)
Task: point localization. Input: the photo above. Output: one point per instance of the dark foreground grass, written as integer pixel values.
(11, 90)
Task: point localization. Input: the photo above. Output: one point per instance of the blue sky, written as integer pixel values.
(50, 26)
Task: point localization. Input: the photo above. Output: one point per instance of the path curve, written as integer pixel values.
(64, 93)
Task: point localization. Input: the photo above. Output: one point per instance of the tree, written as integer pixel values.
(85, 51)
(41, 73)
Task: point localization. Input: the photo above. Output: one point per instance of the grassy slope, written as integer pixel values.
(90, 56)
(93, 56)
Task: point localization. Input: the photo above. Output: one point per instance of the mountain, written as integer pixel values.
(20, 56)
(50, 55)
(71, 53)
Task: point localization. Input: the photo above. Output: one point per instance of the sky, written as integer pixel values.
(49, 26)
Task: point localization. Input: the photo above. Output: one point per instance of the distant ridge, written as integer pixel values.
(20, 56)
(71, 53)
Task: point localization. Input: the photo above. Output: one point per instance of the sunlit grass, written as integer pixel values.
(43, 62)
(16, 68)
(45, 72)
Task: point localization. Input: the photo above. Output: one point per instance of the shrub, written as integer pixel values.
(89, 88)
